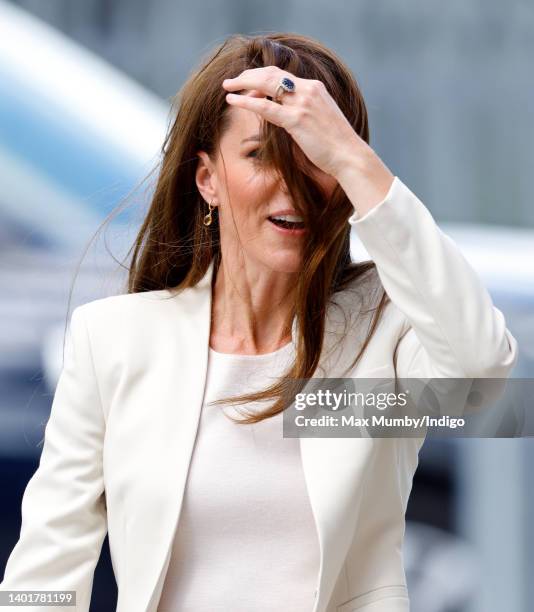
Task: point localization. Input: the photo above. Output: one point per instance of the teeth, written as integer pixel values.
(291, 218)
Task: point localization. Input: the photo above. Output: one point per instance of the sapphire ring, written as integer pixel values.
(285, 84)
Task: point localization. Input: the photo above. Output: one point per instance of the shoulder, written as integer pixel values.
(131, 328)
(363, 291)
(360, 299)
(123, 303)
(127, 313)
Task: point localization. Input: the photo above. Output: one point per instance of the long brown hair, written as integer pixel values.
(174, 248)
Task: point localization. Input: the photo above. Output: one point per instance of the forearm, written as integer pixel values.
(457, 332)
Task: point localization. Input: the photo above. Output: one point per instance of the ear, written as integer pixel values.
(206, 178)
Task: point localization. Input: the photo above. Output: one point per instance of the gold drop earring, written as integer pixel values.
(208, 218)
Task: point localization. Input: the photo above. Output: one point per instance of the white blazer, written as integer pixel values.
(123, 422)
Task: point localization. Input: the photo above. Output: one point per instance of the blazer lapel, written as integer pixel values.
(179, 392)
(334, 469)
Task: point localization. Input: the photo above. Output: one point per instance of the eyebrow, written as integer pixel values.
(255, 137)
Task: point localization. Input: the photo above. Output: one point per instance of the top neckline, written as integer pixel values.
(260, 357)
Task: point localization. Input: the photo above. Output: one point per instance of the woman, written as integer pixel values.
(223, 300)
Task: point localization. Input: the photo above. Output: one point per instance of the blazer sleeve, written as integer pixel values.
(63, 506)
(452, 329)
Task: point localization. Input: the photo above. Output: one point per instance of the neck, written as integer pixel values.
(252, 308)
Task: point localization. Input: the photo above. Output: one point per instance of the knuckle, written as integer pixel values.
(307, 100)
(273, 74)
(299, 114)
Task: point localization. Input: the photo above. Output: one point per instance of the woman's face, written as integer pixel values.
(247, 194)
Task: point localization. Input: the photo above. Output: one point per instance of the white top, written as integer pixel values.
(246, 539)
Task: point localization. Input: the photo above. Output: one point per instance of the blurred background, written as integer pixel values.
(84, 98)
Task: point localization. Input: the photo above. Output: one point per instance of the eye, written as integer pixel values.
(250, 154)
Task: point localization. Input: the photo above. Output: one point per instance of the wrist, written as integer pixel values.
(359, 159)
(365, 179)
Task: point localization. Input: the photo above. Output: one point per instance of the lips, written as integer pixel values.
(287, 229)
(286, 224)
